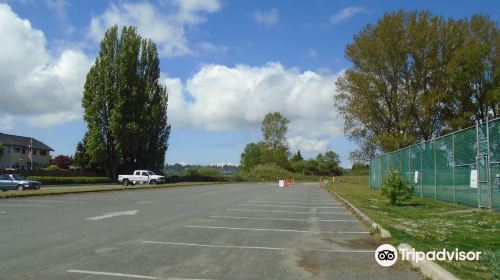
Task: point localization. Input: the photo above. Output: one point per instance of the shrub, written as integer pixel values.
(269, 172)
(70, 180)
(396, 188)
(52, 168)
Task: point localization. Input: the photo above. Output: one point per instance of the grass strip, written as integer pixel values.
(430, 225)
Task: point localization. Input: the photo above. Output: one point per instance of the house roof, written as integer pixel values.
(14, 140)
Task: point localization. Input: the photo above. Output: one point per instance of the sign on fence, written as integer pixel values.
(473, 179)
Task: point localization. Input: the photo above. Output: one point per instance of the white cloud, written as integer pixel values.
(346, 13)
(269, 18)
(221, 98)
(309, 144)
(36, 86)
(167, 30)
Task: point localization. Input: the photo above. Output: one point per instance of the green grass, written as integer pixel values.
(428, 225)
(48, 180)
(101, 188)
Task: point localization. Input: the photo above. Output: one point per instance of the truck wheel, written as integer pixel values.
(125, 182)
(20, 188)
(153, 182)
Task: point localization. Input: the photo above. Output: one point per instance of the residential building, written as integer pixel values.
(16, 152)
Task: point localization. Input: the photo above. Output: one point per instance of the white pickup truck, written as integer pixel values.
(141, 177)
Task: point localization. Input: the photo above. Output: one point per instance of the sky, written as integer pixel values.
(226, 64)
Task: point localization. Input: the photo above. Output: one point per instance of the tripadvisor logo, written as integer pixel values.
(387, 255)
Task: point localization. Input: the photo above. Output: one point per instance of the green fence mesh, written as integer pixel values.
(462, 167)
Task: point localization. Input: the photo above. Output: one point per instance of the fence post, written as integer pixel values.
(453, 168)
(490, 184)
(435, 171)
(421, 173)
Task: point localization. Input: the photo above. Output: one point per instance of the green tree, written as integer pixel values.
(251, 156)
(274, 128)
(414, 76)
(125, 106)
(311, 167)
(475, 73)
(297, 157)
(329, 164)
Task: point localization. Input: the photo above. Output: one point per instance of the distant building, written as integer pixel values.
(16, 152)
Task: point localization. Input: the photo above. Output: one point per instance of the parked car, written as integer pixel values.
(17, 182)
(141, 177)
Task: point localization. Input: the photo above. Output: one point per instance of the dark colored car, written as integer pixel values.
(17, 182)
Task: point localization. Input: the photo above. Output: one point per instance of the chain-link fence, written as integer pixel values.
(462, 167)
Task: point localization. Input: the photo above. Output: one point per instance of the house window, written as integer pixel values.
(17, 150)
(34, 152)
(8, 150)
(23, 151)
(43, 153)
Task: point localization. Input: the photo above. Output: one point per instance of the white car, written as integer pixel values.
(141, 177)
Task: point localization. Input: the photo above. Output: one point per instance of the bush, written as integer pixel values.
(52, 168)
(269, 172)
(70, 180)
(396, 188)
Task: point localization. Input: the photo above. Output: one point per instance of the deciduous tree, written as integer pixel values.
(125, 106)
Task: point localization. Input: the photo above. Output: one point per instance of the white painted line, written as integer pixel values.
(214, 246)
(292, 202)
(114, 274)
(289, 206)
(113, 214)
(1, 212)
(279, 219)
(294, 199)
(253, 247)
(54, 201)
(283, 211)
(280, 230)
(256, 218)
(26, 205)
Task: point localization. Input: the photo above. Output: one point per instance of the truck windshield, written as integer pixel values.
(18, 177)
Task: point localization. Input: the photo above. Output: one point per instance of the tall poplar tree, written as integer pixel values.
(125, 106)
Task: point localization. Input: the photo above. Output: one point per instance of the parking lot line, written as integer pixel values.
(257, 218)
(284, 211)
(254, 247)
(125, 275)
(288, 206)
(293, 199)
(280, 219)
(2, 212)
(55, 201)
(280, 230)
(292, 202)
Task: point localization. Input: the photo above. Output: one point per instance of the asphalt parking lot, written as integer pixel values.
(232, 231)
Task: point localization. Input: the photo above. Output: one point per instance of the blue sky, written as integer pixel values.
(225, 63)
